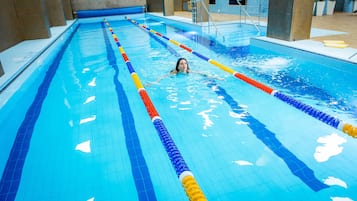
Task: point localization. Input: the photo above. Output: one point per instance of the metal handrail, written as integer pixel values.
(353, 55)
(210, 19)
(247, 14)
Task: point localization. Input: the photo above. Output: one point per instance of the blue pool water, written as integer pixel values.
(81, 131)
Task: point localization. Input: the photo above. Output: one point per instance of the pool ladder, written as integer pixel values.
(247, 14)
(211, 22)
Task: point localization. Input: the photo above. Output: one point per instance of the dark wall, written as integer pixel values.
(31, 19)
(155, 5)
(55, 11)
(158, 5)
(178, 4)
(67, 7)
(10, 32)
(1, 70)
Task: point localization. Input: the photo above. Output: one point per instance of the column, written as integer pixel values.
(168, 7)
(10, 32)
(67, 7)
(178, 5)
(289, 19)
(33, 19)
(55, 12)
(155, 5)
(202, 10)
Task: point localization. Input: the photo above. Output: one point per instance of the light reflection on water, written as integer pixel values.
(291, 77)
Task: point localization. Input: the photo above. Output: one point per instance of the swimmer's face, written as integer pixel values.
(182, 67)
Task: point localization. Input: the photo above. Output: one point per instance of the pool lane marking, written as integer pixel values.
(139, 169)
(347, 128)
(295, 165)
(11, 176)
(191, 187)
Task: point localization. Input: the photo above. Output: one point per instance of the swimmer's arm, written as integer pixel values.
(207, 75)
(159, 79)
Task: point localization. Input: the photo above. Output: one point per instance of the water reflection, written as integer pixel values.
(92, 83)
(89, 99)
(332, 181)
(88, 119)
(84, 147)
(330, 147)
(206, 117)
(341, 199)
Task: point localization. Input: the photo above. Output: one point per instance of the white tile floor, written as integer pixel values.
(347, 54)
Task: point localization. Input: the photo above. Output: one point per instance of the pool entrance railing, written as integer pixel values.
(191, 187)
(210, 20)
(347, 128)
(242, 7)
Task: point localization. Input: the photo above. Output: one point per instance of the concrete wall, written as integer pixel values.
(31, 19)
(178, 5)
(202, 15)
(1, 70)
(10, 32)
(55, 11)
(158, 5)
(101, 4)
(67, 7)
(199, 11)
(22, 20)
(155, 5)
(301, 20)
(289, 19)
(168, 8)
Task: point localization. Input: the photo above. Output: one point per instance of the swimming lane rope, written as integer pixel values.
(192, 189)
(349, 129)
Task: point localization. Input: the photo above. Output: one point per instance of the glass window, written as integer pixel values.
(234, 2)
(212, 1)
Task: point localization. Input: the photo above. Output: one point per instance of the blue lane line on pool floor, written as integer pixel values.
(11, 177)
(139, 167)
(296, 166)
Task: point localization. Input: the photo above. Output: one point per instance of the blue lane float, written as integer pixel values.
(326, 118)
(189, 183)
(110, 11)
(296, 166)
(140, 171)
(347, 128)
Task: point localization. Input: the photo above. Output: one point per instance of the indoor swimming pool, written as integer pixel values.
(82, 127)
